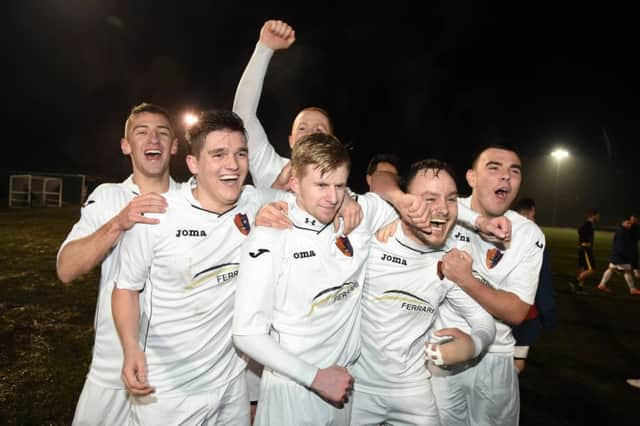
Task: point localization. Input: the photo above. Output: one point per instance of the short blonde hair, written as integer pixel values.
(321, 150)
(146, 107)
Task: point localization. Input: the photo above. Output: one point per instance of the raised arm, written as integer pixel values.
(81, 255)
(265, 163)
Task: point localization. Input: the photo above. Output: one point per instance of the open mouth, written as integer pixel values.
(152, 154)
(438, 224)
(229, 179)
(502, 193)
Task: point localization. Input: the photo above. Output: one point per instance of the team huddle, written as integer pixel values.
(295, 299)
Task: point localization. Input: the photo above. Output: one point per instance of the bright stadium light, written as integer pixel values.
(558, 155)
(190, 119)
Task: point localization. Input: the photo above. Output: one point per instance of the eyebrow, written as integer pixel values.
(498, 163)
(437, 194)
(162, 126)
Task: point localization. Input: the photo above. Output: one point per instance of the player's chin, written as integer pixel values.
(326, 214)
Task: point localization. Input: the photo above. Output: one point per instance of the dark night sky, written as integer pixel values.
(432, 83)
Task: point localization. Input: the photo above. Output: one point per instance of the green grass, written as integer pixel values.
(575, 374)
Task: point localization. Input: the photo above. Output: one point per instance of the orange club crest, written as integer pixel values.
(344, 245)
(493, 257)
(242, 223)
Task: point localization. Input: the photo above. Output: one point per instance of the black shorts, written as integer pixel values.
(586, 260)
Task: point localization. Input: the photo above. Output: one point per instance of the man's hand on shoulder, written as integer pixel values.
(495, 230)
(134, 211)
(274, 215)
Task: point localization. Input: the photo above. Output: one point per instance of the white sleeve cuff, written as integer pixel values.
(269, 353)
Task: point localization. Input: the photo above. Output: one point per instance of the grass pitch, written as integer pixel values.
(575, 374)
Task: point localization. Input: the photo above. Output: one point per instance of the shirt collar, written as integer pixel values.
(303, 220)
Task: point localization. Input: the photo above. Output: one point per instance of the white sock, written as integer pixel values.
(605, 278)
(628, 277)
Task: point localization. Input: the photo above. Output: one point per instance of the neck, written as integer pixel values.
(476, 207)
(159, 184)
(408, 231)
(208, 202)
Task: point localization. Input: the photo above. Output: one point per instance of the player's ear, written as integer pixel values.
(291, 141)
(294, 183)
(192, 164)
(174, 146)
(125, 147)
(471, 178)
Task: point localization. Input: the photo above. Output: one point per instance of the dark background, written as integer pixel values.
(430, 82)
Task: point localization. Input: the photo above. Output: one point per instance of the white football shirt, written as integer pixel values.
(189, 264)
(401, 298)
(304, 285)
(105, 202)
(514, 269)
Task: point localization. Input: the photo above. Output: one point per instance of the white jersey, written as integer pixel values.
(515, 269)
(304, 285)
(401, 299)
(265, 164)
(105, 202)
(188, 264)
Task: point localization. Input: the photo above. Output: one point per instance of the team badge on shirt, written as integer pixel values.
(242, 223)
(344, 245)
(493, 257)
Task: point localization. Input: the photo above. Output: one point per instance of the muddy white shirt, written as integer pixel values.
(514, 269)
(401, 298)
(105, 202)
(265, 164)
(303, 286)
(188, 264)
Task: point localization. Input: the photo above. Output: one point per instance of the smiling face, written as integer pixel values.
(150, 141)
(221, 167)
(439, 189)
(495, 180)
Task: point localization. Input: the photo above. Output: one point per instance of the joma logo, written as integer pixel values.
(303, 254)
(394, 259)
(190, 233)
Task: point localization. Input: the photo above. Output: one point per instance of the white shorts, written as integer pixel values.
(486, 394)
(284, 402)
(399, 409)
(622, 267)
(102, 406)
(224, 405)
(520, 352)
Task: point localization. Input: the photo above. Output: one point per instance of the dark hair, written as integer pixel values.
(492, 145)
(524, 204)
(210, 121)
(150, 108)
(384, 157)
(428, 164)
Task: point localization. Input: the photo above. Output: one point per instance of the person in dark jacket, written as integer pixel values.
(542, 314)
